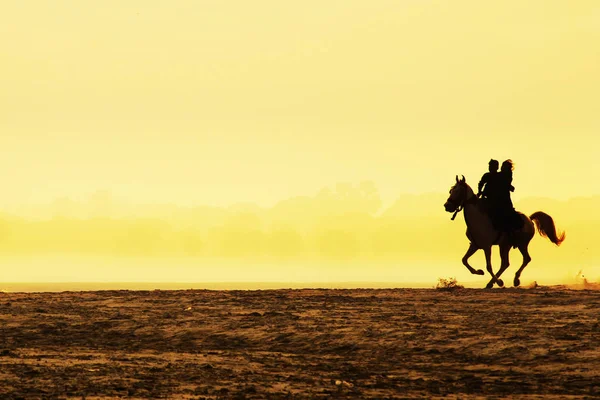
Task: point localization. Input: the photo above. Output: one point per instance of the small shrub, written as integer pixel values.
(448, 284)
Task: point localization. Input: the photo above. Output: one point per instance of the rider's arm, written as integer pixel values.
(510, 179)
(482, 182)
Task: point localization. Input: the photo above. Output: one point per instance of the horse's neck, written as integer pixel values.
(472, 213)
(478, 222)
(470, 207)
(470, 196)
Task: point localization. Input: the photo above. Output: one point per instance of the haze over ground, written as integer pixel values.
(337, 235)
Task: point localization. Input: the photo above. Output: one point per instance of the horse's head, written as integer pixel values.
(458, 195)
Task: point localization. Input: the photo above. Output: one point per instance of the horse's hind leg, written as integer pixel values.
(526, 259)
(465, 260)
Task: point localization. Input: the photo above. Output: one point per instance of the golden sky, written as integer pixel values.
(217, 102)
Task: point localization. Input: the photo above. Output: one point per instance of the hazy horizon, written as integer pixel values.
(341, 233)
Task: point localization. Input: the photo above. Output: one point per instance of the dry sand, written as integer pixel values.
(404, 343)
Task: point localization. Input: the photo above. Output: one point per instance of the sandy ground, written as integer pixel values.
(404, 343)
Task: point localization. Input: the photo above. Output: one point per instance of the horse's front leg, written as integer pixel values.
(504, 253)
(465, 260)
(488, 266)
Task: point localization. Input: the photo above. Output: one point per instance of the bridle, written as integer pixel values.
(462, 204)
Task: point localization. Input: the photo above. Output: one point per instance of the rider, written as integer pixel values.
(496, 192)
(505, 185)
(510, 219)
(487, 184)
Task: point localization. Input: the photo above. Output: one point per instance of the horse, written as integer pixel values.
(482, 234)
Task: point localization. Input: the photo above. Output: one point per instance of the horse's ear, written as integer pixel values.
(456, 178)
(463, 178)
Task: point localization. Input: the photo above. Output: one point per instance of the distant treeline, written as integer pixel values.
(241, 234)
(345, 222)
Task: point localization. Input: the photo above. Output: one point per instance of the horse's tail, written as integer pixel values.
(546, 228)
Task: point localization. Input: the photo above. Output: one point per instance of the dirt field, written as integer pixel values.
(405, 343)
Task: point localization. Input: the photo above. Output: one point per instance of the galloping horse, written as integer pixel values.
(483, 235)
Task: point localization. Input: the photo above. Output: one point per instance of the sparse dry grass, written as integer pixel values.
(448, 284)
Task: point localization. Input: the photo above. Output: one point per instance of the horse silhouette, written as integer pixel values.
(483, 235)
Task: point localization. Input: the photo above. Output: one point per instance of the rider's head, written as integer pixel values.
(493, 165)
(507, 165)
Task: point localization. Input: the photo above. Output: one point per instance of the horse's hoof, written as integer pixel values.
(517, 282)
(500, 282)
(479, 272)
(489, 285)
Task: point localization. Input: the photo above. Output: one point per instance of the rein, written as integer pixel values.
(459, 209)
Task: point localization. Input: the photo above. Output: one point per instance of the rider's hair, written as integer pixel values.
(508, 165)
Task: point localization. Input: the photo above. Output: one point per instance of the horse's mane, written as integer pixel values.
(464, 183)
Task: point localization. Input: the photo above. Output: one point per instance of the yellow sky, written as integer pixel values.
(216, 102)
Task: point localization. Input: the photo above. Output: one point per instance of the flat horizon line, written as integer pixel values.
(86, 286)
(224, 285)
